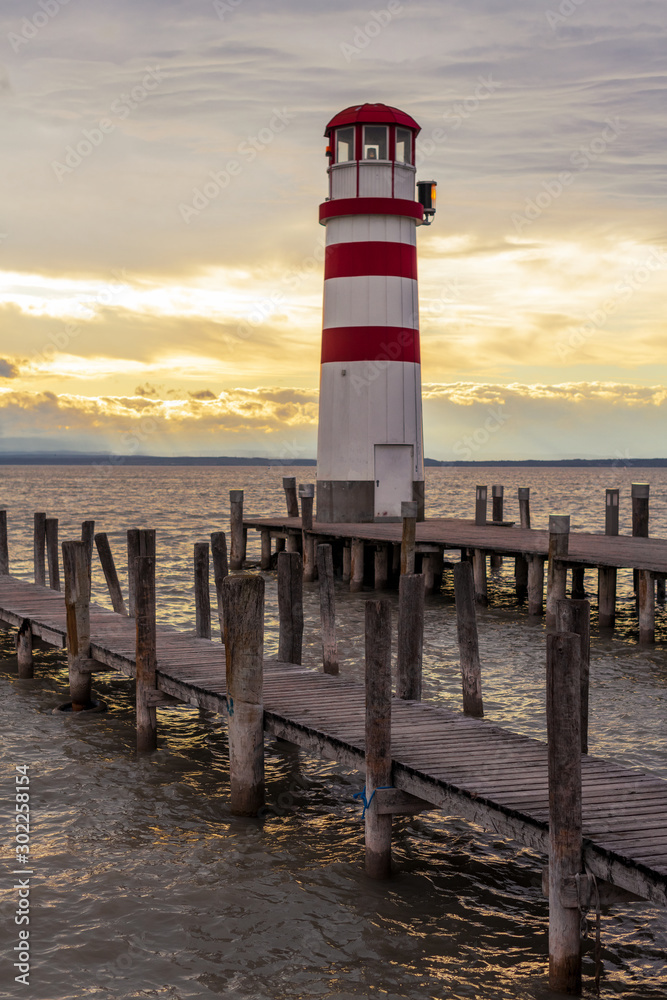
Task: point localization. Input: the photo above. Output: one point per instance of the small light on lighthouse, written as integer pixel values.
(426, 198)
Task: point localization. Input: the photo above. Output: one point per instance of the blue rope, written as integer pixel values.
(362, 795)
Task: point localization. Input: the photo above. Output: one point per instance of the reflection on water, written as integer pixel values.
(145, 886)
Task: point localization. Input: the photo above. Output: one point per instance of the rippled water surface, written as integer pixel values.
(146, 886)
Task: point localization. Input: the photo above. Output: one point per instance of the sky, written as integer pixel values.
(160, 253)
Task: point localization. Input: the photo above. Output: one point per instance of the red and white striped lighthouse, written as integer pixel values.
(370, 446)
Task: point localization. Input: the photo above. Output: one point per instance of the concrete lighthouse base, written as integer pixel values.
(353, 501)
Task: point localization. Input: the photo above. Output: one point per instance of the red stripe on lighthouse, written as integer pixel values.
(348, 260)
(371, 206)
(370, 343)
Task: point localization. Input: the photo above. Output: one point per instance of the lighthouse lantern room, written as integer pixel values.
(370, 448)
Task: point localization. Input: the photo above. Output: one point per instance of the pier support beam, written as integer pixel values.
(325, 572)
(24, 650)
(646, 606)
(132, 556)
(307, 493)
(378, 736)
(39, 548)
(382, 567)
(243, 601)
(51, 534)
(559, 535)
(578, 583)
(202, 590)
(497, 502)
(265, 560)
(236, 529)
(575, 616)
(220, 571)
(88, 536)
(110, 574)
(409, 512)
(4, 546)
(146, 656)
(565, 826)
(466, 624)
(479, 572)
(535, 585)
(356, 565)
(410, 636)
(77, 604)
(521, 578)
(290, 607)
(607, 574)
(347, 563)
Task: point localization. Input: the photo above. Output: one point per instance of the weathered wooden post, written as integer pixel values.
(88, 536)
(497, 493)
(236, 529)
(289, 485)
(646, 606)
(132, 556)
(565, 826)
(290, 607)
(409, 512)
(660, 589)
(521, 562)
(479, 573)
(356, 565)
(77, 604)
(24, 650)
(524, 506)
(378, 736)
(4, 545)
(381, 566)
(265, 560)
(640, 515)
(51, 535)
(575, 616)
(146, 652)
(410, 636)
(347, 563)
(578, 583)
(480, 504)
(466, 624)
(39, 548)
(220, 571)
(559, 535)
(243, 603)
(607, 574)
(293, 542)
(307, 494)
(535, 584)
(110, 574)
(202, 590)
(325, 572)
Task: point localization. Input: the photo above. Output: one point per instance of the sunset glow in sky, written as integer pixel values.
(160, 254)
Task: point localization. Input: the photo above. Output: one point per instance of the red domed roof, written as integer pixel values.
(370, 114)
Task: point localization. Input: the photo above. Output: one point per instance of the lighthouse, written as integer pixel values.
(370, 454)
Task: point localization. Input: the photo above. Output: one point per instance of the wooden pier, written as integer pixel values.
(602, 825)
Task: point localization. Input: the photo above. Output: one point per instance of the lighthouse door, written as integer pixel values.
(393, 478)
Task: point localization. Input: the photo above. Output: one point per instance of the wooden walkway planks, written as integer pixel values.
(467, 767)
(585, 549)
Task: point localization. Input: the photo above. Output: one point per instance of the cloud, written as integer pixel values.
(7, 369)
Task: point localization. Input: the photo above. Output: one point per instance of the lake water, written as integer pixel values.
(144, 885)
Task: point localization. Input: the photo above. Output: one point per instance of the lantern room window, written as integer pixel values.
(403, 145)
(344, 145)
(375, 142)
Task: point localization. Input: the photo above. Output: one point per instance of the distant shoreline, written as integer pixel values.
(80, 458)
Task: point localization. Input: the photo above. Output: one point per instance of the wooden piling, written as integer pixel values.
(356, 565)
(39, 548)
(132, 556)
(325, 572)
(220, 571)
(575, 616)
(640, 517)
(466, 624)
(559, 534)
(409, 512)
(646, 606)
(307, 494)
(381, 567)
(524, 506)
(607, 575)
(378, 736)
(146, 652)
(611, 512)
(243, 602)
(480, 504)
(479, 573)
(293, 542)
(24, 650)
(77, 604)
(289, 485)
(88, 536)
(535, 584)
(202, 590)
(521, 578)
(4, 545)
(410, 642)
(578, 583)
(565, 826)
(660, 589)
(290, 607)
(110, 574)
(236, 529)
(347, 562)
(265, 561)
(497, 493)
(51, 535)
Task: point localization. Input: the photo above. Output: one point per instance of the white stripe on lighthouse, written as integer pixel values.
(371, 228)
(371, 300)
